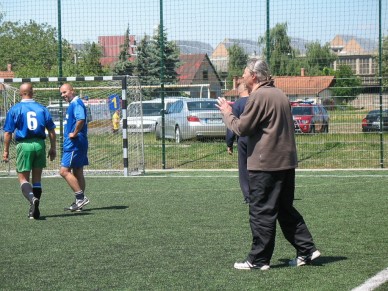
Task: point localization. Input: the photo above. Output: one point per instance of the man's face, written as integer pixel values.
(67, 93)
(249, 78)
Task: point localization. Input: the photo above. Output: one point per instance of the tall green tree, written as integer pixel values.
(282, 60)
(170, 53)
(347, 85)
(30, 47)
(124, 66)
(237, 62)
(146, 66)
(149, 64)
(318, 58)
(88, 62)
(384, 63)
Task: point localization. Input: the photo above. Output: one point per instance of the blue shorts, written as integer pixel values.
(74, 159)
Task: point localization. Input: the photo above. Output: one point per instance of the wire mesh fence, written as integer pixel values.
(329, 53)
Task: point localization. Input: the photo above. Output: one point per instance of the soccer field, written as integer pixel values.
(184, 230)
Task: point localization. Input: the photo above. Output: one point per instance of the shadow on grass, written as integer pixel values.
(328, 147)
(200, 158)
(84, 211)
(319, 262)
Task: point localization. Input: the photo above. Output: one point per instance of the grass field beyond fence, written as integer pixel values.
(184, 230)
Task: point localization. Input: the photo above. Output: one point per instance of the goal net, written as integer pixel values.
(110, 153)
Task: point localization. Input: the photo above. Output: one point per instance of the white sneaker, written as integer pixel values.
(303, 260)
(78, 204)
(248, 266)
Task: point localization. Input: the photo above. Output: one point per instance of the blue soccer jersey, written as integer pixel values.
(28, 119)
(76, 111)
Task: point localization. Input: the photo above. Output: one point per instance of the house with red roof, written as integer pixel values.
(111, 46)
(8, 74)
(197, 76)
(311, 88)
(299, 88)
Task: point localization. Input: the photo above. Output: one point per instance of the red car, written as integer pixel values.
(309, 117)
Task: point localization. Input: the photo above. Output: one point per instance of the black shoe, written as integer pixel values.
(34, 212)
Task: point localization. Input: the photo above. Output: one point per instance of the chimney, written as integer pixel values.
(235, 79)
(9, 68)
(302, 72)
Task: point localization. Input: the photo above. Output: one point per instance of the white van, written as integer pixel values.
(151, 112)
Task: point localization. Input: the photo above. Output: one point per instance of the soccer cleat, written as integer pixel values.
(249, 266)
(78, 205)
(304, 260)
(34, 212)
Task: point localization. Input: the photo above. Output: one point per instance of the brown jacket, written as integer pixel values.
(268, 123)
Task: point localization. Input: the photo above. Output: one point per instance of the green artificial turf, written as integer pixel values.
(184, 231)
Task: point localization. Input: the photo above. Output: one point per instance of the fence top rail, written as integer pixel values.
(64, 79)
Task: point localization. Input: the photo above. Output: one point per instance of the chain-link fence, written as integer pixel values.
(329, 53)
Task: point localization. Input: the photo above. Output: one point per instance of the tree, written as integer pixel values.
(170, 53)
(89, 60)
(347, 85)
(148, 62)
(1, 14)
(31, 48)
(384, 63)
(318, 58)
(282, 56)
(146, 65)
(237, 62)
(124, 66)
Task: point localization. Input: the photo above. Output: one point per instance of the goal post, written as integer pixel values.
(109, 152)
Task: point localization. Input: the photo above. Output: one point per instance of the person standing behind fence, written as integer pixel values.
(29, 120)
(75, 147)
(116, 121)
(237, 109)
(272, 159)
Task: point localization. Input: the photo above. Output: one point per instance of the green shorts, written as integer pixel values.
(30, 153)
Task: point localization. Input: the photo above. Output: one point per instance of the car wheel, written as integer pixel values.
(158, 132)
(326, 128)
(312, 128)
(178, 135)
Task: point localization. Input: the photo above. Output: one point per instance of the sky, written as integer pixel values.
(209, 21)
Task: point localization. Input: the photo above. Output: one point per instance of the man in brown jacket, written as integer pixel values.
(272, 159)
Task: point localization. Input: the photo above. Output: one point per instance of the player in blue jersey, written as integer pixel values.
(75, 147)
(28, 120)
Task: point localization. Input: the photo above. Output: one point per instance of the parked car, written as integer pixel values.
(2, 121)
(309, 117)
(192, 118)
(371, 122)
(151, 112)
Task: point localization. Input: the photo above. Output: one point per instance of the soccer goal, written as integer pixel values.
(110, 153)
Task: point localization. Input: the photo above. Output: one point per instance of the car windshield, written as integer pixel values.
(201, 105)
(301, 110)
(54, 112)
(149, 109)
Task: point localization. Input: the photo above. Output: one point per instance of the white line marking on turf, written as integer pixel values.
(374, 282)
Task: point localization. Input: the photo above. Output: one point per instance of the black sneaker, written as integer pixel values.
(34, 212)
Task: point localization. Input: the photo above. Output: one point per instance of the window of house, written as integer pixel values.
(205, 75)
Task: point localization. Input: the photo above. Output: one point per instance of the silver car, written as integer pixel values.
(2, 121)
(192, 118)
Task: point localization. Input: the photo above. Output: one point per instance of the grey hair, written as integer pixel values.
(260, 68)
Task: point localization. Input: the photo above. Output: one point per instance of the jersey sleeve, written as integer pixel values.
(49, 120)
(9, 125)
(79, 112)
